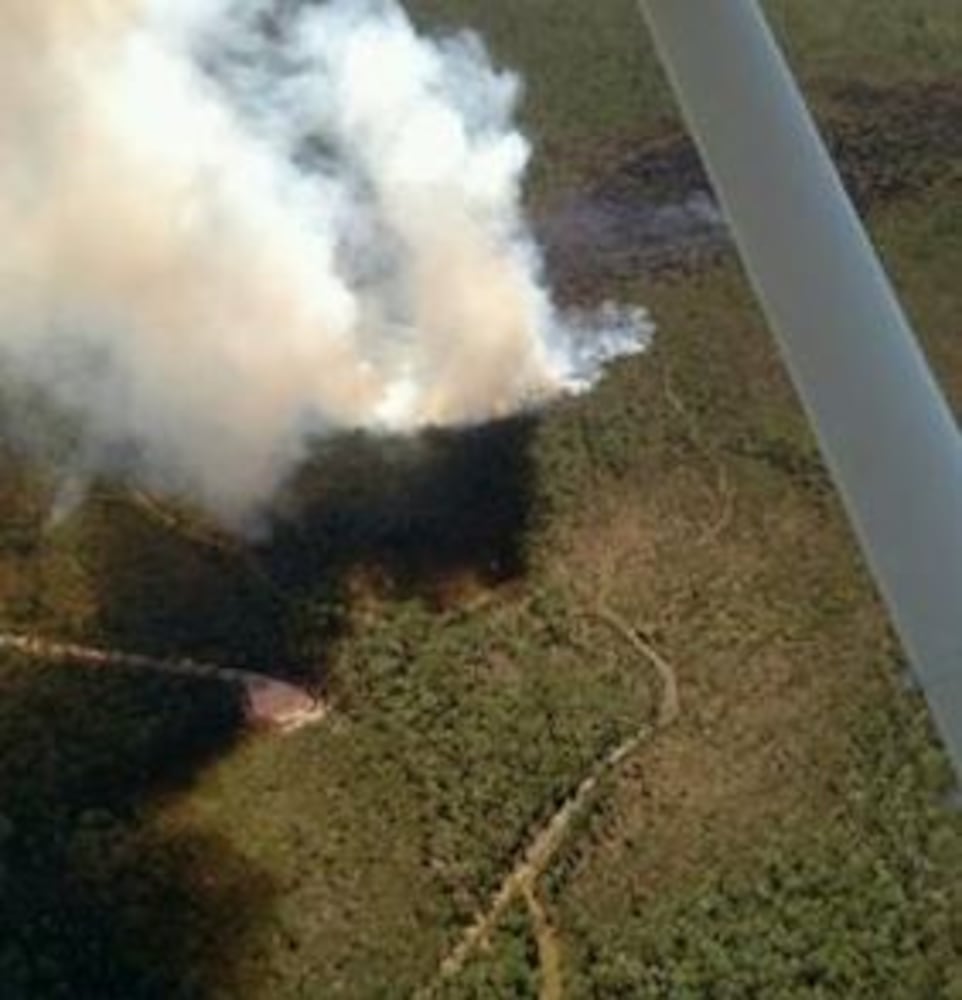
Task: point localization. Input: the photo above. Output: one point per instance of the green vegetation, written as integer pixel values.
(788, 837)
(506, 968)
(593, 83)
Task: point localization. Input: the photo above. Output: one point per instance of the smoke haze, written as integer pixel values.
(228, 226)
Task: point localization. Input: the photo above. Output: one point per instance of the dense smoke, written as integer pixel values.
(228, 225)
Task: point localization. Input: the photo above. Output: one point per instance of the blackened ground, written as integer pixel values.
(651, 208)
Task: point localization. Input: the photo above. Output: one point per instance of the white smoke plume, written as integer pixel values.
(228, 225)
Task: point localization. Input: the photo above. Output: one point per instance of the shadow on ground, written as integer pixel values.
(412, 517)
(95, 900)
(433, 517)
(99, 896)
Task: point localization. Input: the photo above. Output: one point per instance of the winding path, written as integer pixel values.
(521, 881)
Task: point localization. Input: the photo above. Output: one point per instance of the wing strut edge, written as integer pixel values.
(887, 435)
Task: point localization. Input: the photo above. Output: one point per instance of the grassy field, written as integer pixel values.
(592, 79)
(787, 837)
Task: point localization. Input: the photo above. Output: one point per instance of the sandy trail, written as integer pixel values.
(268, 702)
(521, 880)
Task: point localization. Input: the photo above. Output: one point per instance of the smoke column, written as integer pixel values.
(228, 226)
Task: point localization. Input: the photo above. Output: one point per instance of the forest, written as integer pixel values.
(640, 609)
